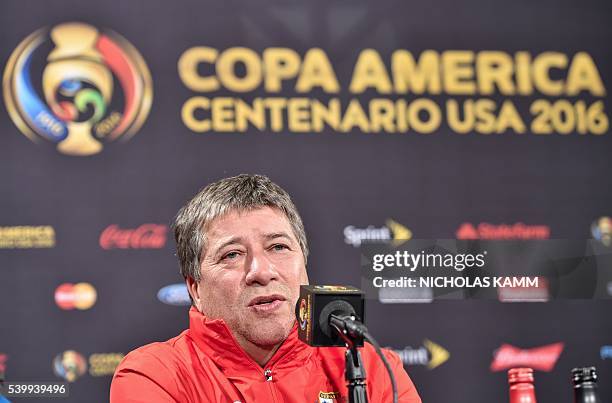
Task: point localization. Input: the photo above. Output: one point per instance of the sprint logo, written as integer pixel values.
(430, 355)
(391, 231)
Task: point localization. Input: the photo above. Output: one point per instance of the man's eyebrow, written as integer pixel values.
(231, 241)
(275, 235)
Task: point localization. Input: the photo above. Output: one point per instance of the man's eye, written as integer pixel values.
(230, 255)
(279, 247)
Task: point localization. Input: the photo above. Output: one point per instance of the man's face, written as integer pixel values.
(251, 274)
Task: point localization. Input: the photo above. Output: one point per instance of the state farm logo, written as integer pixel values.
(430, 355)
(502, 231)
(147, 236)
(80, 296)
(541, 358)
(392, 231)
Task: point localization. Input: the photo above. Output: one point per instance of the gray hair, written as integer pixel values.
(242, 192)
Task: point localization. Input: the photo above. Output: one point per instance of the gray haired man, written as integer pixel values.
(242, 251)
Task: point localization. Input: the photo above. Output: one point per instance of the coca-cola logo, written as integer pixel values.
(147, 236)
(540, 358)
(503, 231)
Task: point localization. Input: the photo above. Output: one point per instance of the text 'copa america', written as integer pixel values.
(281, 90)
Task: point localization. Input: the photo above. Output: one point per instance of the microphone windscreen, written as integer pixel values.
(316, 303)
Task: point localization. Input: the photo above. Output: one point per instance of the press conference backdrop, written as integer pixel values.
(382, 119)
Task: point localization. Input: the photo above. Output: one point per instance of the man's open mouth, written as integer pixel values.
(266, 300)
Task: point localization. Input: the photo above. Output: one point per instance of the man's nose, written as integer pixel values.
(260, 269)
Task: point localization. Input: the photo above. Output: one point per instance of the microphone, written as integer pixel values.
(323, 311)
(331, 315)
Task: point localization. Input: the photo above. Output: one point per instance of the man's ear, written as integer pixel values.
(194, 292)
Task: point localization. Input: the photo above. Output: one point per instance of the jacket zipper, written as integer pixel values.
(269, 379)
(267, 372)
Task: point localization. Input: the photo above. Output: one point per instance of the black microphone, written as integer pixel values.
(331, 315)
(322, 311)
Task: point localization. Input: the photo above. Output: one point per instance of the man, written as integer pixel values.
(243, 251)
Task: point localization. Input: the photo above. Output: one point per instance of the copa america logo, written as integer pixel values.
(77, 87)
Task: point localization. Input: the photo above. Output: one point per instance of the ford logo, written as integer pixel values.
(174, 294)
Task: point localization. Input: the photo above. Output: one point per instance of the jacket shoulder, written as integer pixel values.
(156, 354)
(149, 373)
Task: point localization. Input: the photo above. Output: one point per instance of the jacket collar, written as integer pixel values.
(215, 339)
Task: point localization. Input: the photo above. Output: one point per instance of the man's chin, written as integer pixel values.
(266, 334)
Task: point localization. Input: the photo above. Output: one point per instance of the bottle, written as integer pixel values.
(585, 385)
(521, 385)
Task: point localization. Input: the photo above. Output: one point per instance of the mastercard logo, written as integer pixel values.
(75, 296)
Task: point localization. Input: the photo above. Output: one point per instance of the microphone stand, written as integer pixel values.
(355, 373)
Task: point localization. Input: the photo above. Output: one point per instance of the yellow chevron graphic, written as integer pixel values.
(400, 233)
(439, 355)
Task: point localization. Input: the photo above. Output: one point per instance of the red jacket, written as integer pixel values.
(206, 364)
